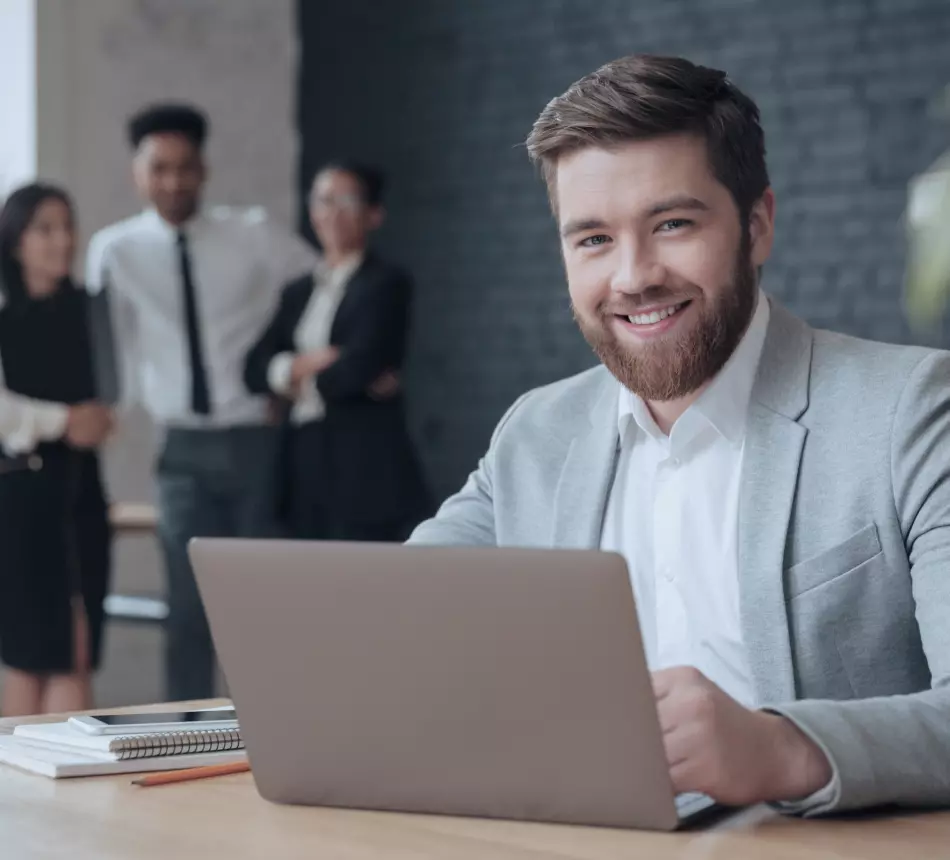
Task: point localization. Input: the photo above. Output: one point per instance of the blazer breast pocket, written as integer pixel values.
(862, 546)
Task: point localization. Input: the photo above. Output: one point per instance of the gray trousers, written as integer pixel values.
(211, 483)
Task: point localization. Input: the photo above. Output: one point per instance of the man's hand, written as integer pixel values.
(736, 756)
(88, 424)
(309, 364)
(386, 386)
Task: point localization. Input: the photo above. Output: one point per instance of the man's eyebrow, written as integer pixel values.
(581, 225)
(679, 201)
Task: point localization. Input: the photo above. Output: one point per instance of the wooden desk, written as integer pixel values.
(109, 819)
(130, 517)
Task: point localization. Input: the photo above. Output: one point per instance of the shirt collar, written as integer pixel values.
(188, 227)
(340, 273)
(725, 402)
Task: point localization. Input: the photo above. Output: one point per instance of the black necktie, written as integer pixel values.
(200, 398)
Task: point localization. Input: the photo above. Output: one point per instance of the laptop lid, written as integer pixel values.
(506, 683)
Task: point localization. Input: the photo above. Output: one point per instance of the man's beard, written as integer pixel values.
(671, 368)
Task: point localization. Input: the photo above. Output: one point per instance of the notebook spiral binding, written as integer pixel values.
(177, 743)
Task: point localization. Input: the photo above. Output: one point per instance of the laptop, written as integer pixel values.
(500, 683)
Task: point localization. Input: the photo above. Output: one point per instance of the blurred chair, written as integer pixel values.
(127, 519)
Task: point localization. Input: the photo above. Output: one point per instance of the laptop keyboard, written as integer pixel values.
(691, 803)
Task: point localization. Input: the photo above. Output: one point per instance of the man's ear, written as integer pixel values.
(762, 228)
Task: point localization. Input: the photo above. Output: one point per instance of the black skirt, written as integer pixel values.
(354, 476)
(54, 548)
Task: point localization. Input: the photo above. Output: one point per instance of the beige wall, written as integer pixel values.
(17, 94)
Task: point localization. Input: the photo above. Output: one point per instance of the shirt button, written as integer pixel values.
(666, 572)
(674, 461)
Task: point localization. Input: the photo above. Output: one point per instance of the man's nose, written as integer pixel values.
(636, 269)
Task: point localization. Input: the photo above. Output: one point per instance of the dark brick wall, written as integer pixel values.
(443, 92)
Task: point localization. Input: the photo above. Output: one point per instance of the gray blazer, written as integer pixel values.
(844, 538)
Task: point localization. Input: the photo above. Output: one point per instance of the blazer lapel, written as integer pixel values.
(773, 449)
(301, 300)
(581, 497)
(352, 295)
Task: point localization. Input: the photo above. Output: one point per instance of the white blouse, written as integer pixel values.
(312, 333)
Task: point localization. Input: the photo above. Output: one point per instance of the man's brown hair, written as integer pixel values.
(641, 97)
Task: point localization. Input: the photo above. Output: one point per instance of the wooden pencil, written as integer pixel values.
(188, 774)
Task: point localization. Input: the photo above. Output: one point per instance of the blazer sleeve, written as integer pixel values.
(278, 337)
(468, 517)
(375, 342)
(896, 749)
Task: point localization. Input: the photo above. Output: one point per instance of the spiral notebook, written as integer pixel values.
(63, 763)
(63, 736)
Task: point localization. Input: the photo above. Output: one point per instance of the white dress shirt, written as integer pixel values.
(313, 333)
(239, 259)
(673, 513)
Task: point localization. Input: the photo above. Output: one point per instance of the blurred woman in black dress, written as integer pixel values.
(54, 532)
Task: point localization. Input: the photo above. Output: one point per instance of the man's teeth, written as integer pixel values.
(654, 316)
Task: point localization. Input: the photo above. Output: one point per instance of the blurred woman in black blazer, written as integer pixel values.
(333, 351)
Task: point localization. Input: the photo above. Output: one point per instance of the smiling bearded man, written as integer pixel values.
(781, 494)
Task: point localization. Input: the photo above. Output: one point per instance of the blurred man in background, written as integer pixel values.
(190, 288)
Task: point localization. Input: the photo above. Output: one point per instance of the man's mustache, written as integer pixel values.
(652, 297)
